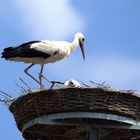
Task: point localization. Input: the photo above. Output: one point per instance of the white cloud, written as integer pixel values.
(55, 19)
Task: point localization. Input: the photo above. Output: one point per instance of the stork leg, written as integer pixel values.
(26, 71)
(40, 77)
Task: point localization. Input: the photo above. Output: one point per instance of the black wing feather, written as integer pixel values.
(23, 50)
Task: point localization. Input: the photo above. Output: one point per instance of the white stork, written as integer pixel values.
(72, 83)
(43, 52)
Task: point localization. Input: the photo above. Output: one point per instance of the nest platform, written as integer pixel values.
(73, 113)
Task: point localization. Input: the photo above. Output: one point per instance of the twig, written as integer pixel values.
(52, 82)
(131, 91)
(2, 101)
(20, 88)
(99, 85)
(52, 85)
(6, 101)
(55, 82)
(45, 78)
(106, 99)
(62, 83)
(10, 94)
(24, 83)
(6, 94)
(84, 84)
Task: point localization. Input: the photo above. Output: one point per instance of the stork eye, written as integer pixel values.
(83, 39)
(55, 53)
(71, 83)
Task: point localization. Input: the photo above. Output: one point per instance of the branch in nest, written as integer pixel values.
(20, 88)
(52, 82)
(7, 98)
(5, 95)
(25, 83)
(85, 84)
(98, 85)
(7, 101)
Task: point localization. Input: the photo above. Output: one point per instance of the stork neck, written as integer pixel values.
(74, 44)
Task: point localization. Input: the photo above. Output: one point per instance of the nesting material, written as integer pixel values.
(35, 104)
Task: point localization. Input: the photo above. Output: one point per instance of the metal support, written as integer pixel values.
(135, 138)
(60, 119)
(94, 134)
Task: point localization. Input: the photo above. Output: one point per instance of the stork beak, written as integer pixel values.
(82, 47)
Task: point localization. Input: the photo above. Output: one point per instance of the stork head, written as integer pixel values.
(81, 39)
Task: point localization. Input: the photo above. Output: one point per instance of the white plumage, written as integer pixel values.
(72, 83)
(56, 49)
(43, 52)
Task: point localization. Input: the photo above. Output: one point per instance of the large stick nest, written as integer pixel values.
(35, 104)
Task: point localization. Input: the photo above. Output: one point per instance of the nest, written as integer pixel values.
(36, 104)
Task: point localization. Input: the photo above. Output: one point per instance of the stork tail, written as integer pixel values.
(6, 52)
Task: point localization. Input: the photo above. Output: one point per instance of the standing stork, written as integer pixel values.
(43, 52)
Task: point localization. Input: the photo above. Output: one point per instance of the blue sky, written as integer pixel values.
(112, 33)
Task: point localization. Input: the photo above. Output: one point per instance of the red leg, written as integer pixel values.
(26, 71)
(40, 77)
